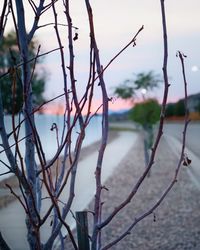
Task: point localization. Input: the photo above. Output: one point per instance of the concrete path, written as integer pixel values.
(193, 169)
(12, 217)
(173, 132)
(192, 137)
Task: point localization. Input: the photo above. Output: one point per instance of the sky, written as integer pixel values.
(116, 22)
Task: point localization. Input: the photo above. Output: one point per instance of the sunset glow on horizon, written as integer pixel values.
(115, 105)
(112, 34)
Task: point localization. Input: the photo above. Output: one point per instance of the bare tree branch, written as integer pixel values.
(17, 196)
(2, 18)
(37, 175)
(132, 42)
(175, 179)
(160, 129)
(29, 61)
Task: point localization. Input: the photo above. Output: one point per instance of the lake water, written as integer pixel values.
(48, 137)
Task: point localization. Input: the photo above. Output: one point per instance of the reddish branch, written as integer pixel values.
(132, 42)
(96, 71)
(160, 132)
(17, 197)
(2, 18)
(97, 206)
(175, 178)
(29, 61)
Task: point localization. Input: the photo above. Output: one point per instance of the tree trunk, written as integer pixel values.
(32, 218)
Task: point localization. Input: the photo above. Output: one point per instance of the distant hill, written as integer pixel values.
(175, 110)
(194, 102)
(119, 115)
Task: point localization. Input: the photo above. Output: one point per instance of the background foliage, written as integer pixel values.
(146, 113)
(11, 85)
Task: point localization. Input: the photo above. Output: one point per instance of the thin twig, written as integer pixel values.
(30, 60)
(2, 16)
(165, 193)
(5, 173)
(160, 129)
(132, 42)
(59, 24)
(17, 196)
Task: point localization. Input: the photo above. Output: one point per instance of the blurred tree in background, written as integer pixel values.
(11, 84)
(180, 108)
(146, 113)
(170, 110)
(144, 81)
(175, 109)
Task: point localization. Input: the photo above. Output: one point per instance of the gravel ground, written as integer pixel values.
(174, 225)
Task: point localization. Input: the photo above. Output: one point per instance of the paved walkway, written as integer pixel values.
(12, 217)
(192, 137)
(174, 225)
(194, 168)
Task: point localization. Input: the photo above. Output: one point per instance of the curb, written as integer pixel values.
(193, 169)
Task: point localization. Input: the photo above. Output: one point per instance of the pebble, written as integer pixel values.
(174, 225)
